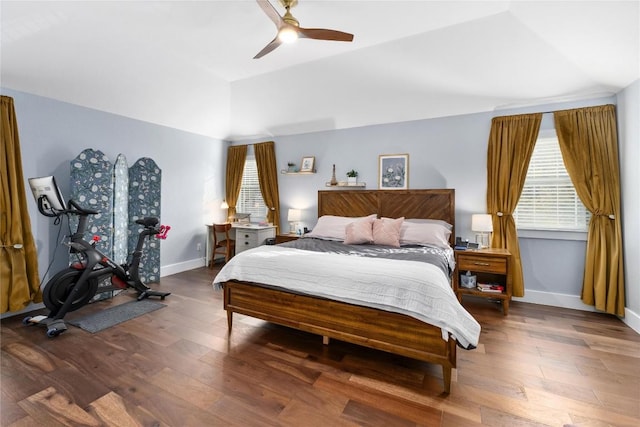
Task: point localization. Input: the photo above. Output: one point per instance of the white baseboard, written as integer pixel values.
(631, 318)
(555, 300)
(168, 270)
(27, 309)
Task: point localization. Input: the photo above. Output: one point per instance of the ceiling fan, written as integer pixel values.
(289, 28)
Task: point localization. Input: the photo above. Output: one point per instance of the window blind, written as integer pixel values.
(250, 199)
(549, 201)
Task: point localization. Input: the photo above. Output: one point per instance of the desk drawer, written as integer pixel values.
(246, 240)
(482, 263)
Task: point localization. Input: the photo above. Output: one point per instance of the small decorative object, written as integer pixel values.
(307, 164)
(352, 177)
(393, 171)
(291, 167)
(468, 280)
(461, 245)
(483, 224)
(334, 180)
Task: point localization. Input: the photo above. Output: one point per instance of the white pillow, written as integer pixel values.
(331, 227)
(430, 221)
(412, 233)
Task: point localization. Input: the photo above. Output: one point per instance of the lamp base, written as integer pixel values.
(482, 239)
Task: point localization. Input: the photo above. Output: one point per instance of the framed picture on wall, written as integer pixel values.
(393, 171)
(307, 164)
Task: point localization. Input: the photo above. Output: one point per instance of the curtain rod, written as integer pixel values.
(558, 111)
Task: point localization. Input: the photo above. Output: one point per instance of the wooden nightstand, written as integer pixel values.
(489, 266)
(281, 238)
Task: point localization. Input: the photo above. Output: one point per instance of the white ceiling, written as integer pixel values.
(188, 64)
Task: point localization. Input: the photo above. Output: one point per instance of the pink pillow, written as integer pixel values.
(386, 231)
(359, 232)
(330, 227)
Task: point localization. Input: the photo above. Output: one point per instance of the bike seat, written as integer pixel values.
(148, 221)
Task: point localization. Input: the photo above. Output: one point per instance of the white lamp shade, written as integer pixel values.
(224, 205)
(294, 215)
(482, 223)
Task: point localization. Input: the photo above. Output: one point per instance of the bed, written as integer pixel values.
(370, 326)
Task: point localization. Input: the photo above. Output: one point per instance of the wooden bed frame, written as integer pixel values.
(374, 328)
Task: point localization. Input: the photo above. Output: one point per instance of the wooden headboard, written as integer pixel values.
(428, 204)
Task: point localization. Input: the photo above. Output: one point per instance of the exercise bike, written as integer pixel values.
(75, 286)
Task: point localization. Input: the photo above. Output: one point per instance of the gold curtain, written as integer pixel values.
(19, 278)
(511, 143)
(268, 178)
(589, 144)
(236, 156)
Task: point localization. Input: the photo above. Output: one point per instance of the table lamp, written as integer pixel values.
(293, 217)
(224, 206)
(483, 224)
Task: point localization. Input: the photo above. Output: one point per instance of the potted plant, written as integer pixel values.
(291, 167)
(352, 177)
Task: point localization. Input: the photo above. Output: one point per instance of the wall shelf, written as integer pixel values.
(286, 172)
(346, 184)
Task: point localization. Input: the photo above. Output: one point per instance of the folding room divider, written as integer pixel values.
(121, 195)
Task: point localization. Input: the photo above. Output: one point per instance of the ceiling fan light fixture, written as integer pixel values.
(287, 34)
(289, 29)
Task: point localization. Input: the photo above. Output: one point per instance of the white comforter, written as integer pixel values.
(416, 289)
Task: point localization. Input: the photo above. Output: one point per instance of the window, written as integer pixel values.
(549, 201)
(250, 199)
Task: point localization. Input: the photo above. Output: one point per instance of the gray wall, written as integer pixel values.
(52, 133)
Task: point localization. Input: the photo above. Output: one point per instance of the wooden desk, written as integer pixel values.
(247, 236)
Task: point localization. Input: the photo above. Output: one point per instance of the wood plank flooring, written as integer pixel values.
(539, 366)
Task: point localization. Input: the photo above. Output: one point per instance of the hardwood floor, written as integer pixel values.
(539, 366)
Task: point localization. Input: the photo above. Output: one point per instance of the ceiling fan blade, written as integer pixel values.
(268, 48)
(323, 34)
(271, 12)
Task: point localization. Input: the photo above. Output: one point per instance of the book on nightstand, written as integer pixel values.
(490, 287)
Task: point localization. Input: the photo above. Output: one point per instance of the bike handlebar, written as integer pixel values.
(76, 209)
(80, 210)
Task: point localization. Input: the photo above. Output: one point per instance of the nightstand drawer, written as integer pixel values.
(482, 263)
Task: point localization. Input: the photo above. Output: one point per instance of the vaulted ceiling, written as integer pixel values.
(189, 64)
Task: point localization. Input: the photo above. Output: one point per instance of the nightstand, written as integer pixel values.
(282, 238)
(489, 266)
